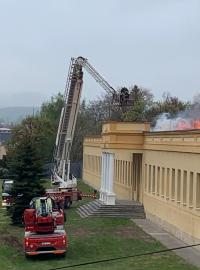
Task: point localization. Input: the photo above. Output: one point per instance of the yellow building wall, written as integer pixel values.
(92, 164)
(123, 175)
(171, 193)
(169, 186)
(122, 139)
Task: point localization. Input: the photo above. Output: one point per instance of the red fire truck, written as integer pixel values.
(44, 228)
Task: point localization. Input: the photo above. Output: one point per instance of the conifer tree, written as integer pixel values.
(26, 167)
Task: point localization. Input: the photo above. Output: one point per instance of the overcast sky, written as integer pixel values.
(151, 43)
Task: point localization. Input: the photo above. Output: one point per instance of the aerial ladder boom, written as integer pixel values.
(94, 73)
(69, 116)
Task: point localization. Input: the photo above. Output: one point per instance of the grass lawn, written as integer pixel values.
(89, 239)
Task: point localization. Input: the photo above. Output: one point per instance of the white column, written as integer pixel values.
(110, 172)
(110, 196)
(103, 177)
(107, 173)
(107, 177)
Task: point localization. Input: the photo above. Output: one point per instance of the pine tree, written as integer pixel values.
(26, 167)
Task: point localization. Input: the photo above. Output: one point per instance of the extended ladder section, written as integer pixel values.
(68, 117)
(69, 114)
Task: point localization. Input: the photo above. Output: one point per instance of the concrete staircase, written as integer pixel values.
(122, 209)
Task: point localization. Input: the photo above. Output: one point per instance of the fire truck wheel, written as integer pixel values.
(67, 203)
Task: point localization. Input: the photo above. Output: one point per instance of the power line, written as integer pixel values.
(124, 257)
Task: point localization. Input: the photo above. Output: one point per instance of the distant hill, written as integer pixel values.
(16, 114)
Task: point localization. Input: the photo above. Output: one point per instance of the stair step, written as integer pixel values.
(98, 209)
(83, 212)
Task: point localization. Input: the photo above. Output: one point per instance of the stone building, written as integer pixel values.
(159, 169)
